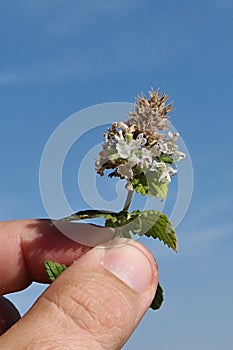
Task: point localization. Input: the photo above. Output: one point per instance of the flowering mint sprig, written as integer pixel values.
(137, 150)
(141, 150)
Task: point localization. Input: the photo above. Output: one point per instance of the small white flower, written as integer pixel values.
(123, 126)
(120, 136)
(173, 137)
(154, 166)
(135, 158)
(168, 171)
(125, 149)
(162, 146)
(142, 140)
(147, 155)
(142, 158)
(155, 151)
(125, 170)
(179, 155)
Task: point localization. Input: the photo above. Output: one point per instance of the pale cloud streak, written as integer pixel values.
(57, 24)
(10, 78)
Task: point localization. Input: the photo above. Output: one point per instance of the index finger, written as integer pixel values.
(25, 245)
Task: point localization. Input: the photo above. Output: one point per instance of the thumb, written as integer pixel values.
(95, 304)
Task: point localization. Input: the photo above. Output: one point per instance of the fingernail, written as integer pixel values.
(131, 263)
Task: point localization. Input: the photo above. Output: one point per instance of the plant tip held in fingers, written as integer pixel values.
(143, 152)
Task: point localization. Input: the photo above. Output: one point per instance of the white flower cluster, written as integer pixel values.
(139, 156)
(133, 146)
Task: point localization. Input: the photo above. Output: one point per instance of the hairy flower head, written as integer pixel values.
(142, 149)
(150, 115)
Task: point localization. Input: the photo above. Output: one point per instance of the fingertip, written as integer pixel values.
(132, 263)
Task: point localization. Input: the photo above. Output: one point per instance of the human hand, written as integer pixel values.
(95, 304)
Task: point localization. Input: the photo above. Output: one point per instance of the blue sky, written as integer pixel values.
(59, 57)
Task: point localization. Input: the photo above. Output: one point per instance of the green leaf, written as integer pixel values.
(149, 184)
(155, 224)
(126, 223)
(151, 223)
(91, 214)
(140, 184)
(158, 298)
(165, 158)
(158, 190)
(112, 219)
(155, 187)
(53, 269)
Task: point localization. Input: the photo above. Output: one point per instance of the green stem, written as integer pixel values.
(128, 201)
(118, 231)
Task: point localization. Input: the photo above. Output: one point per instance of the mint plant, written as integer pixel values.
(142, 151)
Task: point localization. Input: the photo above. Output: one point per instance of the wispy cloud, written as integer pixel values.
(10, 78)
(92, 62)
(92, 39)
(82, 41)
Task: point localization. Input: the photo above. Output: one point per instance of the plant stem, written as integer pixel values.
(118, 230)
(128, 200)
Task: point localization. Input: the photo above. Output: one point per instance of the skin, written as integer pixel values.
(95, 304)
